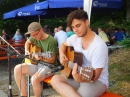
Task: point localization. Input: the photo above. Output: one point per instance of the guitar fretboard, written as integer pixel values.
(44, 54)
(71, 65)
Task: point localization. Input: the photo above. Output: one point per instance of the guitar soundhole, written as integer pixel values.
(78, 58)
(71, 49)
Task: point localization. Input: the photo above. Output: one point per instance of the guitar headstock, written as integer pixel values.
(86, 72)
(46, 54)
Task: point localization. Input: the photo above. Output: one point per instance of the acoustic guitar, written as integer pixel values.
(76, 57)
(35, 50)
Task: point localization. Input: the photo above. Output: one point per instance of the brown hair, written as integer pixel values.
(77, 14)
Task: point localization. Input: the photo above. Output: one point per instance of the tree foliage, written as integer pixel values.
(9, 5)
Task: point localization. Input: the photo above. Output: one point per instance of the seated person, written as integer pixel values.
(117, 35)
(124, 33)
(108, 32)
(103, 36)
(55, 30)
(95, 55)
(18, 36)
(5, 36)
(69, 31)
(60, 36)
(39, 71)
(26, 36)
(47, 30)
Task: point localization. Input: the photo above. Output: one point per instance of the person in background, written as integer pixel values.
(108, 32)
(47, 30)
(124, 33)
(5, 36)
(95, 55)
(103, 36)
(117, 35)
(18, 36)
(38, 71)
(60, 36)
(27, 36)
(69, 31)
(55, 30)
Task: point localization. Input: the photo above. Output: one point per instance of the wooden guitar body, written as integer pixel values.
(33, 49)
(75, 57)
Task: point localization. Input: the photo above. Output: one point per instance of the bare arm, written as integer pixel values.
(97, 73)
(63, 48)
(62, 52)
(27, 46)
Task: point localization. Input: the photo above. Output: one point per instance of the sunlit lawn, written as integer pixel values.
(119, 72)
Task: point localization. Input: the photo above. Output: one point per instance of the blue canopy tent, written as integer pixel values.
(57, 4)
(31, 11)
(10, 14)
(116, 4)
(59, 8)
(106, 6)
(98, 6)
(27, 11)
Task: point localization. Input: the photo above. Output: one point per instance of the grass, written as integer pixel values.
(119, 72)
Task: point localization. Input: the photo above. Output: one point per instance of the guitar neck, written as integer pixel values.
(77, 57)
(71, 65)
(44, 54)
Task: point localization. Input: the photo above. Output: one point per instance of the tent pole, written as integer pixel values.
(87, 7)
(39, 18)
(38, 15)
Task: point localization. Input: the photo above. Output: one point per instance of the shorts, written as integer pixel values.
(91, 89)
(40, 68)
